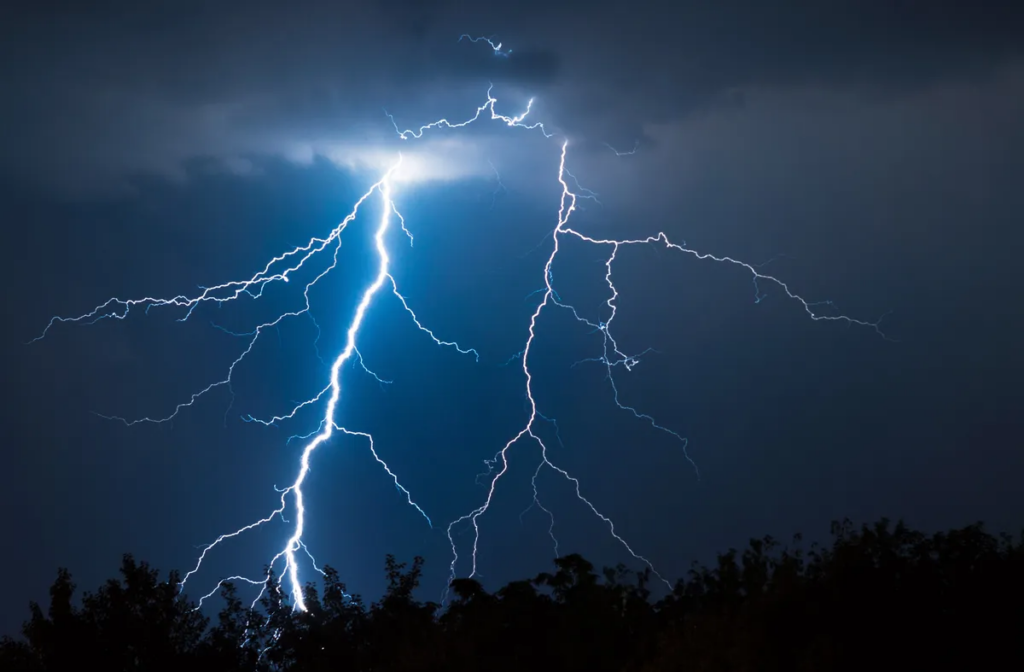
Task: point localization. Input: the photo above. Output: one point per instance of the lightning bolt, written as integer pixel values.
(490, 42)
(501, 185)
(282, 268)
(291, 262)
(612, 356)
(636, 146)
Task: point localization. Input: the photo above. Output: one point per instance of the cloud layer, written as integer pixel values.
(99, 94)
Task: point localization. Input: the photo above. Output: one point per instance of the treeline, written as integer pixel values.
(877, 597)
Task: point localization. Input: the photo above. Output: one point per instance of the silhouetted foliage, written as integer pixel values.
(879, 596)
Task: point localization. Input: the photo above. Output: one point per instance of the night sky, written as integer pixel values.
(871, 152)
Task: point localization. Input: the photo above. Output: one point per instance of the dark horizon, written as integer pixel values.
(768, 605)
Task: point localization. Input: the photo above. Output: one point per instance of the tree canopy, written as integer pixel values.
(878, 595)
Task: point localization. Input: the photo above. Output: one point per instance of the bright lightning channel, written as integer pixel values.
(495, 47)
(294, 260)
(281, 267)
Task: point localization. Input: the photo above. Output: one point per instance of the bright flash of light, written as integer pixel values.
(281, 269)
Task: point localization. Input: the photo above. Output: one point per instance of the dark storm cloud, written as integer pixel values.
(659, 65)
(94, 93)
(98, 91)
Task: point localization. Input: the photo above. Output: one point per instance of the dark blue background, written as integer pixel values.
(792, 423)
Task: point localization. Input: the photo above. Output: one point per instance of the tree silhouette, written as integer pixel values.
(135, 623)
(878, 596)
